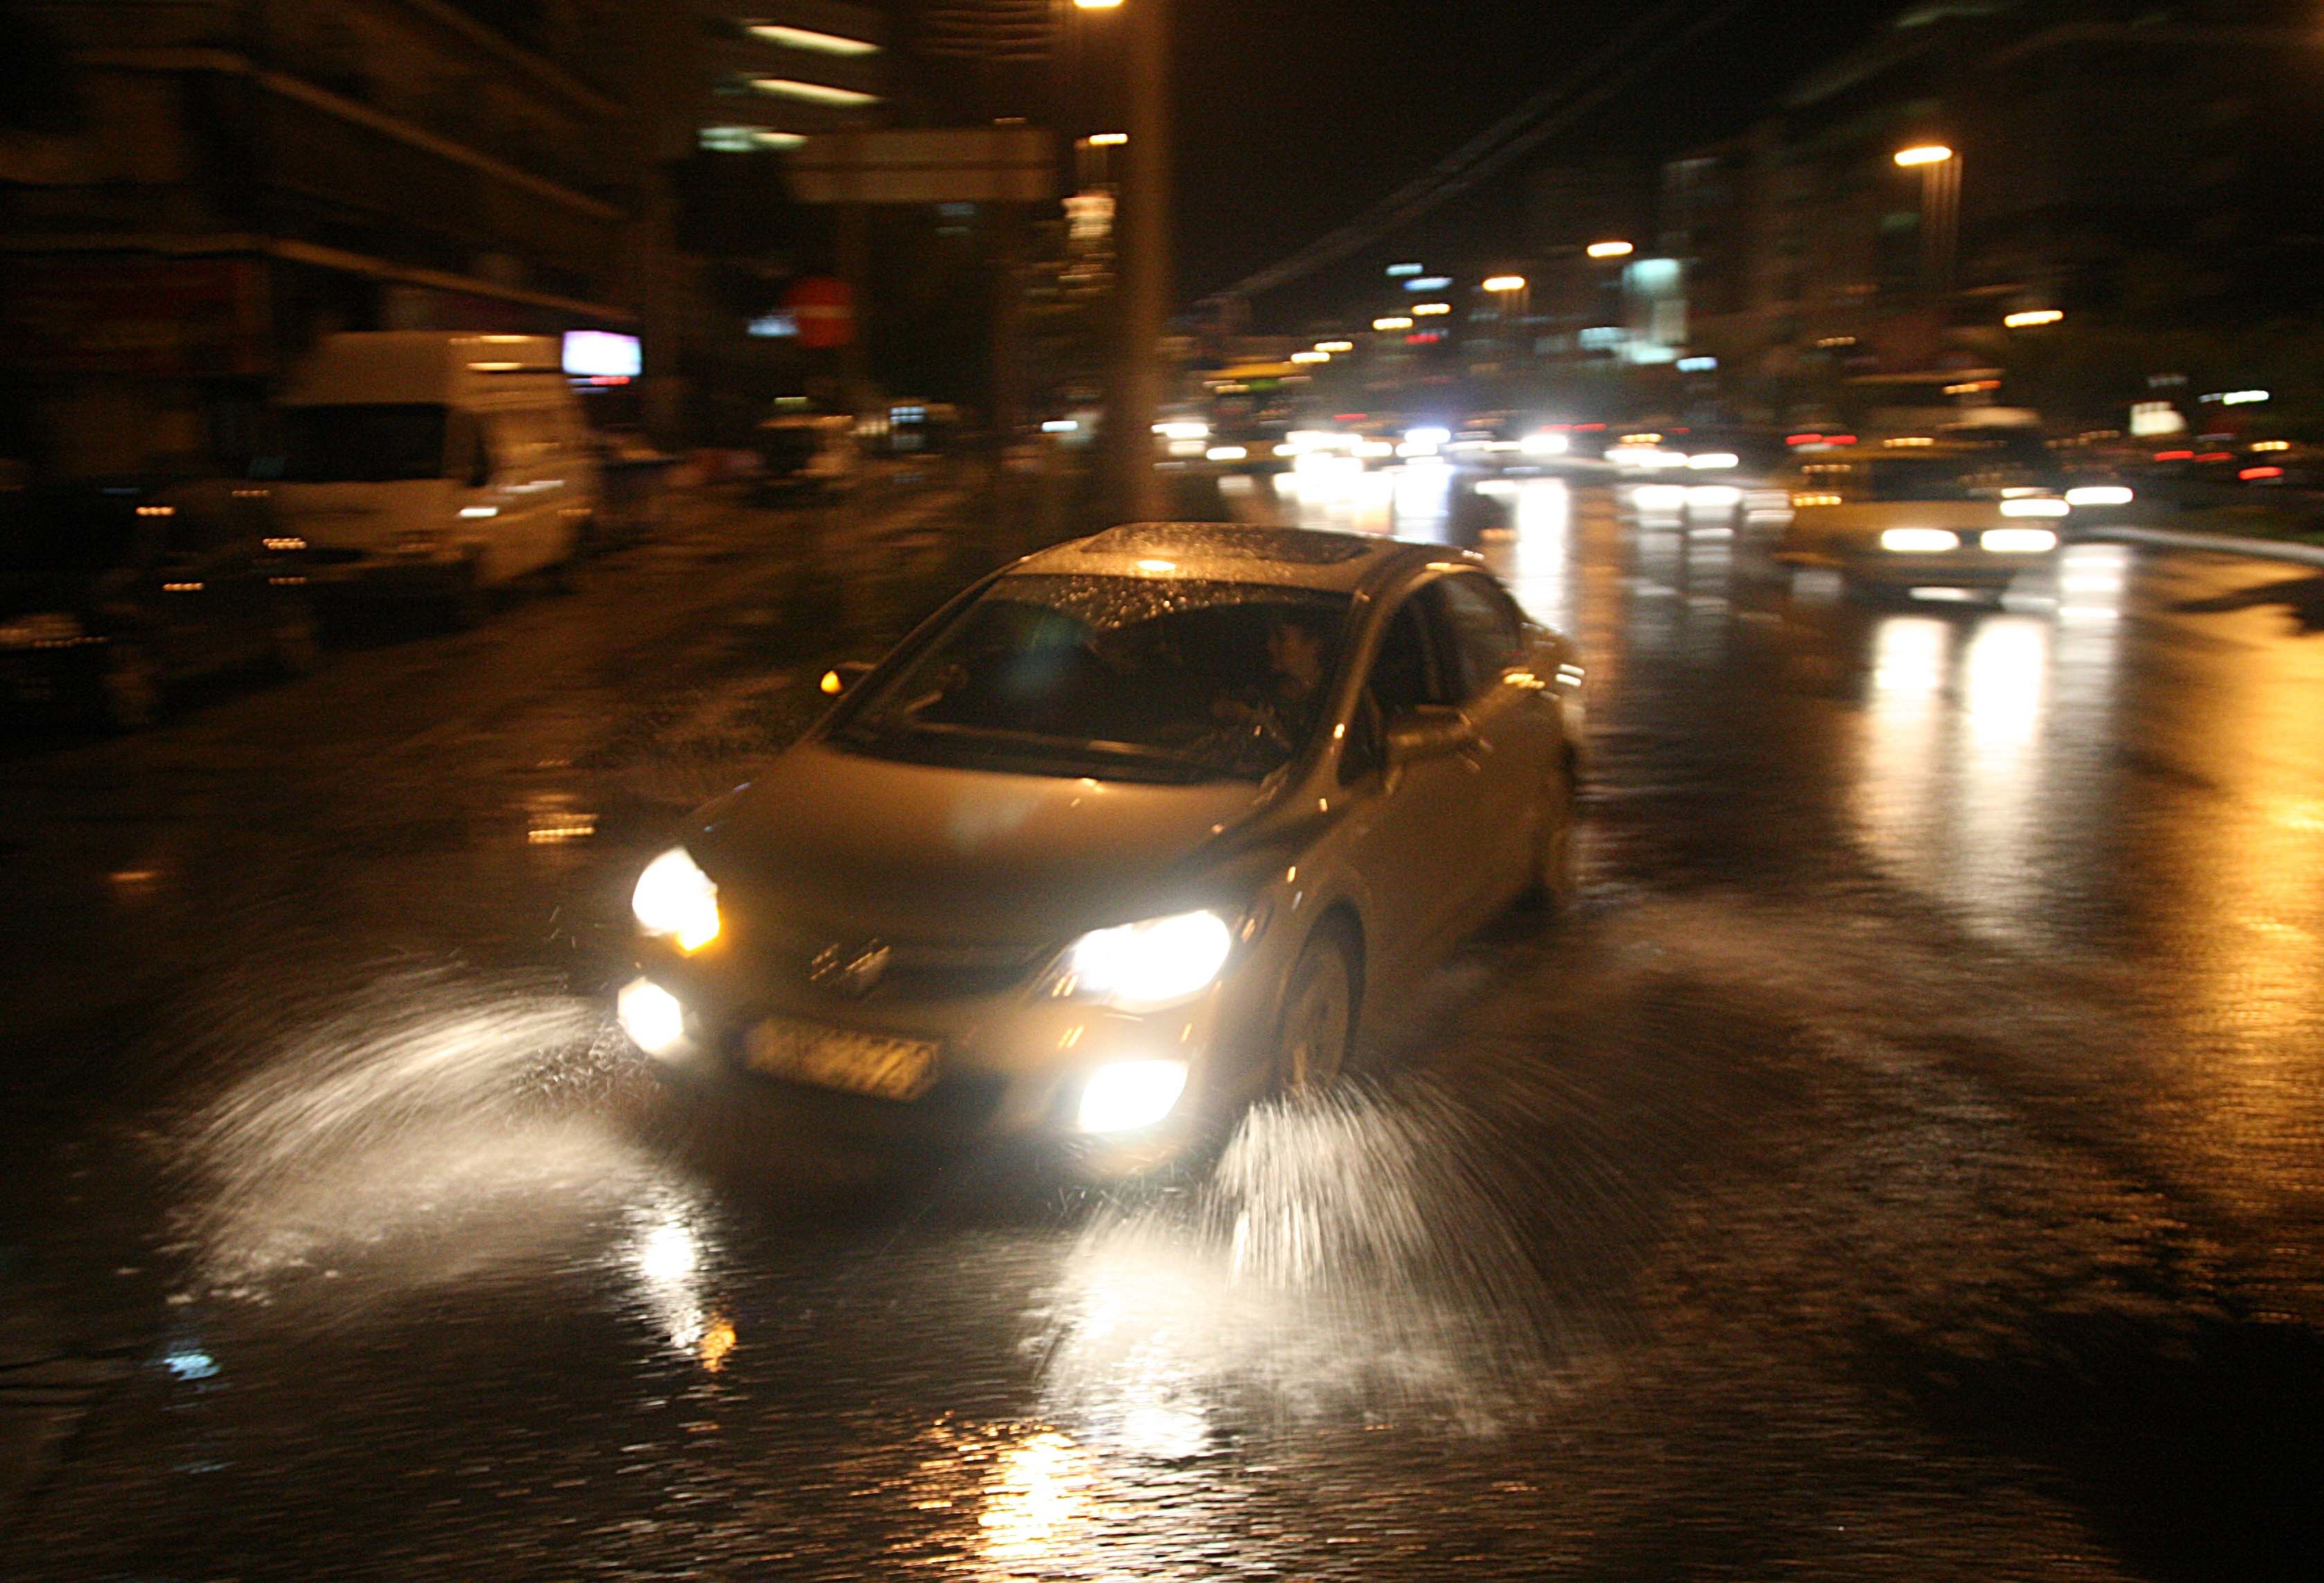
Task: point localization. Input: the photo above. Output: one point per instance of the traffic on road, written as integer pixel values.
(1012, 793)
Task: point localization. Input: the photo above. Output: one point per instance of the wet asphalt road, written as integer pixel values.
(1905, 1165)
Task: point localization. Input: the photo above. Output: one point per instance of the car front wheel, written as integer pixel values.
(1316, 1032)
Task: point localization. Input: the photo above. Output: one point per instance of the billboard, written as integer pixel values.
(602, 354)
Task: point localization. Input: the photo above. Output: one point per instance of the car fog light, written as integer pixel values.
(1919, 540)
(652, 1017)
(2018, 540)
(1130, 1094)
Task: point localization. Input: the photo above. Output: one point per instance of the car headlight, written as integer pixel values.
(1143, 967)
(1919, 541)
(1129, 1094)
(2099, 494)
(675, 900)
(2017, 540)
(2034, 505)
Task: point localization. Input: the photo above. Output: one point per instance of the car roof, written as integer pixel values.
(1940, 452)
(1238, 552)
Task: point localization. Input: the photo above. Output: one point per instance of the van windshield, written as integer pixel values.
(370, 443)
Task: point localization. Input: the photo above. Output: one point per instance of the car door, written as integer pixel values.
(532, 487)
(1416, 826)
(197, 586)
(1518, 736)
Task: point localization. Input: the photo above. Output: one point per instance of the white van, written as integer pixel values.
(434, 462)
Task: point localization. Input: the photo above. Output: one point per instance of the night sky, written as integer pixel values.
(1296, 115)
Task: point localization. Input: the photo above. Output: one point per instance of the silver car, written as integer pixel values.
(1130, 834)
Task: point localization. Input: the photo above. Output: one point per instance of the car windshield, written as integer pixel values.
(1129, 678)
(1945, 477)
(378, 443)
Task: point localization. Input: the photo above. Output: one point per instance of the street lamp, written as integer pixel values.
(1142, 260)
(1393, 321)
(1609, 249)
(1512, 304)
(1939, 169)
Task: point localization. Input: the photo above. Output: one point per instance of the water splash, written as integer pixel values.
(424, 1103)
(1350, 1258)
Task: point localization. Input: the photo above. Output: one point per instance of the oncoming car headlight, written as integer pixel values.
(1143, 967)
(2017, 540)
(675, 900)
(2034, 505)
(1919, 540)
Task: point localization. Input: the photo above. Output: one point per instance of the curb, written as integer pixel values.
(2215, 543)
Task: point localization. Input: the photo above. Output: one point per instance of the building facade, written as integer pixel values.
(228, 178)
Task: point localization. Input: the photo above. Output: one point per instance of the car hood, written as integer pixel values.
(833, 841)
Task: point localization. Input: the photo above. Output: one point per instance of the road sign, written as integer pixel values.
(976, 164)
(824, 308)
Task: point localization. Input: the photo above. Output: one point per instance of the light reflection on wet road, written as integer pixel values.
(1907, 1165)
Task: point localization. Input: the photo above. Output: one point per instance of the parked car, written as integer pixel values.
(805, 453)
(113, 594)
(1132, 833)
(416, 462)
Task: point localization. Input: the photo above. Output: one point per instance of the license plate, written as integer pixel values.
(843, 1058)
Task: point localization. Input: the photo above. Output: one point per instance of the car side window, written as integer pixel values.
(1404, 675)
(467, 448)
(1480, 630)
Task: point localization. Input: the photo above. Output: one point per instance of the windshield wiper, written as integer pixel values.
(933, 738)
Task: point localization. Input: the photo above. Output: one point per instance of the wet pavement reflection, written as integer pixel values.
(1904, 1165)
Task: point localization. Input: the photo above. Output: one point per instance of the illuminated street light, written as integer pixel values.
(1393, 321)
(1108, 139)
(1311, 357)
(1335, 346)
(1429, 309)
(1096, 5)
(1609, 249)
(2032, 316)
(812, 93)
(1506, 283)
(800, 38)
(1923, 153)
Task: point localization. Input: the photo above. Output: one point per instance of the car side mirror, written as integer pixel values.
(842, 676)
(1431, 731)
